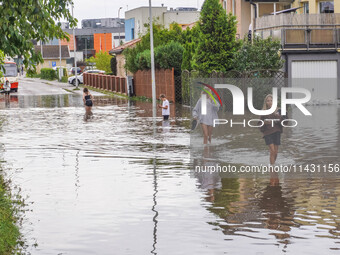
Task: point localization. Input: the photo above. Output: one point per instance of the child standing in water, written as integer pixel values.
(165, 107)
(88, 102)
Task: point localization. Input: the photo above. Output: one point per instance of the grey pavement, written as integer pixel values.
(37, 86)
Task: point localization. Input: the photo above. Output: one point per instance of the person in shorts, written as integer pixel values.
(7, 88)
(88, 102)
(165, 107)
(272, 130)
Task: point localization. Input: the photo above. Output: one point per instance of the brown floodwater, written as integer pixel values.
(121, 183)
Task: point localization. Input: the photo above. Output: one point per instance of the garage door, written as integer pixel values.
(319, 77)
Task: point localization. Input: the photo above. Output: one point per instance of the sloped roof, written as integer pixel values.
(52, 51)
(128, 44)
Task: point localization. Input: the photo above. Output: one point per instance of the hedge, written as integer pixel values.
(48, 74)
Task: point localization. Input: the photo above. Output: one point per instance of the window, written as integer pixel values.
(306, 7)
(84, 42)
(132, 33)
(326, 7)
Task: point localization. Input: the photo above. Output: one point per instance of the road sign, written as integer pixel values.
(54, 63)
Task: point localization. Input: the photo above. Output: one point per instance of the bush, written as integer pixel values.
(262, 54)
(31, 72)
(166, 57)
(114, 65)
(64, 79)
(169, 55)
(65, 74)
(48, 74)
(143, 60)
(102, 61)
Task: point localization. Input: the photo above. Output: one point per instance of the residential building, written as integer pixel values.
(102, 23)
(136, 19)
(243, 9)
(51, 56)
(309, 32)
(92, 40)
(94, 36)
(118, 52)
(316, 6)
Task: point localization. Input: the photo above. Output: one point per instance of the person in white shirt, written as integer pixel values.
(165, 107)
(7, 88)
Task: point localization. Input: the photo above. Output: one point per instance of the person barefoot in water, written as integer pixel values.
(272, 130)
(88, 102)
(206, 120)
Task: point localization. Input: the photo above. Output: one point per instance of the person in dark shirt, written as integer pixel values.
(272, 128)
(88, 102)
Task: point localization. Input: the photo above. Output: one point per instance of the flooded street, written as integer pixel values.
(120, 183)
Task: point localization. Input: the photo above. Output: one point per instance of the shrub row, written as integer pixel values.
(48, 74)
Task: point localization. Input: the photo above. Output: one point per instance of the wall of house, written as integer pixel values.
(70, 43)
(314, 6)
(48, 64)
(141, 17)
(129, 29)
(268, 8)
(120, 65)
(182, 18)
(244, 9)
(102, 42)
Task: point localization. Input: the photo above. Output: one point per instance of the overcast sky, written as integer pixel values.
(91, 9)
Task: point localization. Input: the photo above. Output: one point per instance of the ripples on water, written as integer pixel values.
(116, 185)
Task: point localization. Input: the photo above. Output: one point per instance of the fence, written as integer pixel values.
(165, 83)
(261, 80)
(106, 82)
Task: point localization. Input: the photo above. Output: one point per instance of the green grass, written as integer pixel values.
(64, 79)
(9, 231)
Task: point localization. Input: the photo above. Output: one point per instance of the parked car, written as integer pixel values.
(57, 67)
(72, 79)
(72, 70)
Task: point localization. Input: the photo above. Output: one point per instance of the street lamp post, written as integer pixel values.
(119, 26)
(153, 82)
(85, 48)
(74, 51)
(59, 69)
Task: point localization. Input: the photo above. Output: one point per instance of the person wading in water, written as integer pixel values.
(88, 102)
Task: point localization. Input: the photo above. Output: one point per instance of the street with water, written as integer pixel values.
(123, 183)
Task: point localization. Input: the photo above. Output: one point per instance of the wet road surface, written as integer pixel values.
(120, 183)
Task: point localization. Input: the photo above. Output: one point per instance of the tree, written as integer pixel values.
(217, 38)
(169, 56)
(162, 36)
(262, 54)
(102, 60)
(166, 57)
(190, 39)
(26, 20)
(114, 65)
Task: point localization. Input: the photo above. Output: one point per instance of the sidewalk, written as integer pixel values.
(66, 86)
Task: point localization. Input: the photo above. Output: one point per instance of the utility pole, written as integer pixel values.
(85, 48)
(153, 82)
(119, 26)
(74, 51)
(59, 69)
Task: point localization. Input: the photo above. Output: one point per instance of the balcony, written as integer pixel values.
(302, 31)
